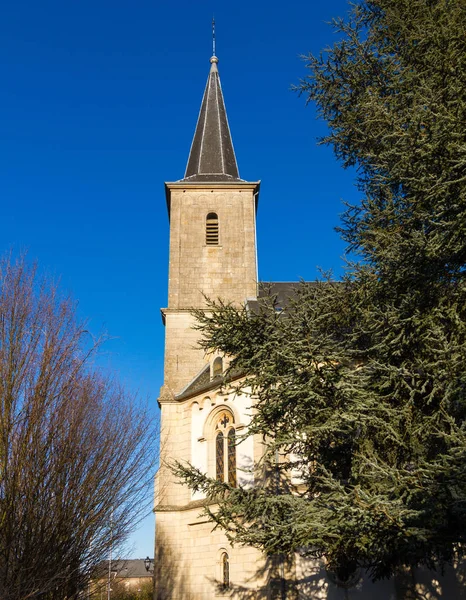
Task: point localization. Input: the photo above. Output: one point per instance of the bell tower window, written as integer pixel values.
(211, 229)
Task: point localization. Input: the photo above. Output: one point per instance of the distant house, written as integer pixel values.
(128, 579)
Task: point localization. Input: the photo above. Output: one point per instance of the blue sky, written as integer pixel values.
(98, 104)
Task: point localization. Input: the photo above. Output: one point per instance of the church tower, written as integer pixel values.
(212, 214)
(212, 235)
(203, 418)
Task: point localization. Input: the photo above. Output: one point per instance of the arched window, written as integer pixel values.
(220, 456)
(232, 458)
(211, 229)
(217, 367)
(225, 565)
(225, 449)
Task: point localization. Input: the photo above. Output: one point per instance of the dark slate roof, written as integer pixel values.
(212, 157)
(200, 382)
(282, 290)
(124, 569)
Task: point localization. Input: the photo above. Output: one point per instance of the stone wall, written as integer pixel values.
(196, 270)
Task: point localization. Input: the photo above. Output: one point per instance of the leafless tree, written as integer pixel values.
(77, 451)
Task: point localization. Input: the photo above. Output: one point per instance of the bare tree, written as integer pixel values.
(76, 450)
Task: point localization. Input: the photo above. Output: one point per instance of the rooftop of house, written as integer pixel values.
(124, 569)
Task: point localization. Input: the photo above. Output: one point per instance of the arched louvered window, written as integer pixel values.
(225, 449)
(211, 229)
(225, 563)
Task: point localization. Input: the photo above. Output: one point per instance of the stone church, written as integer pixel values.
(212, 215)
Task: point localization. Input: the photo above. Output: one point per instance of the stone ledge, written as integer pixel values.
(183, 507)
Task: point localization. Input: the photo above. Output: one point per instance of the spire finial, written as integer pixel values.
(212, 157)
(213, 36)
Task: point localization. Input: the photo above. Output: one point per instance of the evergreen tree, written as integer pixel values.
(360, 386)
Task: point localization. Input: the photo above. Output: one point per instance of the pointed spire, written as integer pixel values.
(212, 157)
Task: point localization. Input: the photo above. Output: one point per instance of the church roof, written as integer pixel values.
(283, 292)
(212, 157)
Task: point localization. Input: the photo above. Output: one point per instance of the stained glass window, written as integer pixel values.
(225, 448)
(220, 456)
(231, 458)
(225, 571)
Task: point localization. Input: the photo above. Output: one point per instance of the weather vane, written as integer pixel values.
(213, 36)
